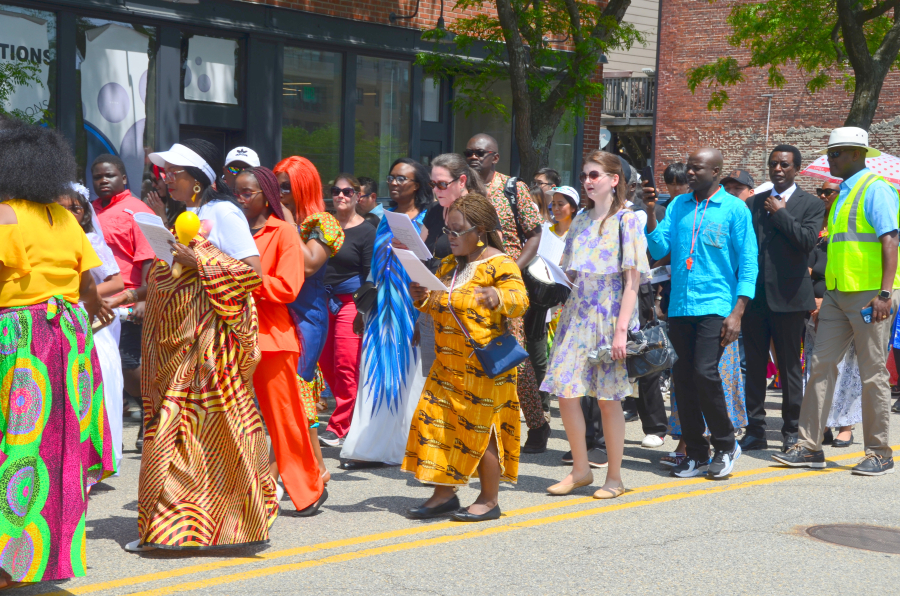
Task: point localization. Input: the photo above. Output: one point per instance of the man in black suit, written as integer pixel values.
(787, 221)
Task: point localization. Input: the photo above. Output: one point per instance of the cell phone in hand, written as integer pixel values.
(647, 174)
(867, 314)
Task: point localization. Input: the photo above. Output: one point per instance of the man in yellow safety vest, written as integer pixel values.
(862, 294)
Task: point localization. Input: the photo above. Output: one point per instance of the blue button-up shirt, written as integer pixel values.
(881, 205)
(725, 254)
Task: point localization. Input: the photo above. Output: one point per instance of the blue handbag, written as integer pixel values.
(499, 355)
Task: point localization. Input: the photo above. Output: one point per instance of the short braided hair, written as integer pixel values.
(479, 211)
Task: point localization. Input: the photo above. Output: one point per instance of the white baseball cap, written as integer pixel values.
(570, 193)
(850, 136)
(244, 155)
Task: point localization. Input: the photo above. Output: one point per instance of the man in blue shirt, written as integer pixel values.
(710, 236)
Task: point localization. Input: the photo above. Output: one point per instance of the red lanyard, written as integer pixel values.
(695, 232)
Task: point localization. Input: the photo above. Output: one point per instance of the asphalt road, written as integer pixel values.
(743, 535)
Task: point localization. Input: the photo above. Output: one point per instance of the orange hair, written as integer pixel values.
(306, 185)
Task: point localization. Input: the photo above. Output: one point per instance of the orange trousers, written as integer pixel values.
(278, 393)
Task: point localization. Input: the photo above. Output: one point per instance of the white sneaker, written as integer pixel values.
(135, 546)
(279, 491)
(652, 442)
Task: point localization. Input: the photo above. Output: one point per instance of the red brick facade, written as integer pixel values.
(695, 32)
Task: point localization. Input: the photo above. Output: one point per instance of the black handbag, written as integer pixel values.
(364, 297)
(501, 354)
(655, 351)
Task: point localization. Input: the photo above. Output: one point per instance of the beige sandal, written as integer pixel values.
(610, 493)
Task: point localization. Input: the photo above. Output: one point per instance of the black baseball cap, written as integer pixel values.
(741, 177)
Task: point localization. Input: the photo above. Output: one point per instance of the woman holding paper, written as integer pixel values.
(205, 479)
(346, 271)
(466, 421)
(598, 314)
(391, 374)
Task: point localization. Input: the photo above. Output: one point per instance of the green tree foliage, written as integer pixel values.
(518, 45)
(854, 43)
(15, 74)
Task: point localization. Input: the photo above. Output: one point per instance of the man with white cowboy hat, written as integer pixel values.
(862, 293)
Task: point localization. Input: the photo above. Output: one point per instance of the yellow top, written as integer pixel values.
(43, 255)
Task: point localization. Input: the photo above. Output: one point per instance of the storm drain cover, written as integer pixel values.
(874, 538)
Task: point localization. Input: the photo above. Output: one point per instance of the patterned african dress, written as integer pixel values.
(589, 317)
(846, 404)
(205, 478)
(531, 218)
(732, 383)
(310, 312)
(461, 407)
(391, 378)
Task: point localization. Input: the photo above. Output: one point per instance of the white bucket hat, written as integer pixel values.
(570, 193)
(850, 136)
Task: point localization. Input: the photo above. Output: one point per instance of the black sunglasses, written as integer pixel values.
(826, 191)
(285, 188)
(347, 192)
(835, 154)
(397, 179)
(784, 164)
(477, 152)
(441, 184)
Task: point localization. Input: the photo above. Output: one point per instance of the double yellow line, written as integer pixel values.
(620, 504)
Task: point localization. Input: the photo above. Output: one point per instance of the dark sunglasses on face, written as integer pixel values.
(453, 234)
(347, 192)
(235, 170)
(784, 165)
(825, 191)
(477, 152)
(397, 179)
(593, 175)
(441, 184)
(835, 154)
(285, 188)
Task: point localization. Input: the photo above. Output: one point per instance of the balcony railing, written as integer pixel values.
(629, 97)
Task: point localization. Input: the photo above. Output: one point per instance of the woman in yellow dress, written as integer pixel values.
(466, 421)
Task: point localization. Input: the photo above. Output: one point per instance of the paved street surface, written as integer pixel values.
(744, 535)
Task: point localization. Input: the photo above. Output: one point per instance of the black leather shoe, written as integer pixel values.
(355, 464)
(312, 509)
(828, 437)
(631, 415)
(437, 511)
(751, 443)
(537, 439)
(567, 457)
(801, 457)
(839, 443)
(789, 441)
(874, 465)
(463, 515)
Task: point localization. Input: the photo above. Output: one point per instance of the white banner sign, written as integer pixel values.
(210, 70)
(25, 41)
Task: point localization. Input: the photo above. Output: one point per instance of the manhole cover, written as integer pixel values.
(874, 538)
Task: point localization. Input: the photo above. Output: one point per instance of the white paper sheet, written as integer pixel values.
(157, 235)
(659, 274)
(558, 275)
(403, 229)
(551, 247)
(417, 271)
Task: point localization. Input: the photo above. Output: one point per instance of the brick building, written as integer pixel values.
(332, 80)
(694, 33)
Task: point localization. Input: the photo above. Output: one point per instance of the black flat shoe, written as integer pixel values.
(437, 511)
(537, 439)
(631, 415)
(353, 464)
(839, 443)
(751, 443)
(828, 437)
(463, 515)
(312, 509)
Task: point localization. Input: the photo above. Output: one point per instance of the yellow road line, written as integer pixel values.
(421, 529)
(403, 546)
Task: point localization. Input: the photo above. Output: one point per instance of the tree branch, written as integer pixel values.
(877, 10)
(886, 54)
(840, 55)
(854, 38)
(575, 17)
(615, 8)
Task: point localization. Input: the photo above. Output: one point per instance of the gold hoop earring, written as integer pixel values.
(197, 189)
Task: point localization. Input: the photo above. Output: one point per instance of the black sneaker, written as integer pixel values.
(801, 457)
(567, 458)
(597, 458)
(874, 465)
(896, 407)
(631, 415)
(537, 439)
(330, 439)
(723, 462)
(690, 468)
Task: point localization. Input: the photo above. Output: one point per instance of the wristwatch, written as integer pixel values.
(884, 295)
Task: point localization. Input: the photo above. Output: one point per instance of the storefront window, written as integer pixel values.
(382, 118)
(311, 112)
(116, 74)
(465, 127)
(562, 151)
(28, 36)
(210, 69)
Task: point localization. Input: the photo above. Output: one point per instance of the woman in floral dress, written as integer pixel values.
(605, 256)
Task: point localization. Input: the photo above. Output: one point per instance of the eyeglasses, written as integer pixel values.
(453, 234)
(166, 174)
(478, 152)
(347, 192)
(826, 191)
(234, 170)
(75, 209)
(249, 195)
(537, 183)
(441, 184)
(835, 154)
(285, 188)
(397, 179)
(784, 164)
(593, 175)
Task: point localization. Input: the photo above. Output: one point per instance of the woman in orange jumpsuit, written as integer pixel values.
(275, 378)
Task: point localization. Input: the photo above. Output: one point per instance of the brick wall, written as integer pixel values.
(695, 32)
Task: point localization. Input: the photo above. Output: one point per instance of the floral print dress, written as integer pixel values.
(588, 319)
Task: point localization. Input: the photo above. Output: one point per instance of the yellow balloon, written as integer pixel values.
(186, 227)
